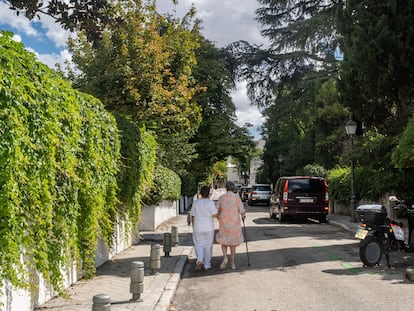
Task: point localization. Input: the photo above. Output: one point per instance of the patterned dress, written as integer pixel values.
(229, 208)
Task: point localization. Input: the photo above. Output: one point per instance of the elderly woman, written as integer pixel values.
(230, 211)
(203, 213)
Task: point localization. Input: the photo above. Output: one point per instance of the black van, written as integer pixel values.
(300, 196)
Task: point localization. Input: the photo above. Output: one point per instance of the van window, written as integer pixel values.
(262, 188)
(306, 185)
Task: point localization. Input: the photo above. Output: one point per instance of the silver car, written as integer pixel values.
(260, 193)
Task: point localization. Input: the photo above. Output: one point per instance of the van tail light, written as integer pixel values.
(285, 193)
(326, 192)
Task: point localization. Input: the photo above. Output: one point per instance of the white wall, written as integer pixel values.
(153, 216)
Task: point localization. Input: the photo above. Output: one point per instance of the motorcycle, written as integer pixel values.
(381, 235)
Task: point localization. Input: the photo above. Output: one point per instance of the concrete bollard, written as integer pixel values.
(189, 218)
(174, 236)
(167, 244)
(155, 259)
(101, 302)
(136, 287)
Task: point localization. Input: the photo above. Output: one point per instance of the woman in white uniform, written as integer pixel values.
(203, 213)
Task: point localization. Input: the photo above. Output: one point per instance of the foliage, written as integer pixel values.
(188, 185)
(314, 170)
(142, 67)
(305, 126)
(166, 187)
(59, 158)
(302, 40)
(339, 184)
(89, 16)
(136, 178)
(403, 155)
(370, 184)
(294, 78)
(377, 66)
(218, 136)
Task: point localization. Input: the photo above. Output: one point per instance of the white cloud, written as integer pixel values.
(20, 23)
(224, 21)
(17, 38)
(55, 32)
(246, 112)
(52, 59)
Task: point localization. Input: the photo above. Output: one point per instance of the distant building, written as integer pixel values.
(255, 164)
(232, 171)
(249, 178)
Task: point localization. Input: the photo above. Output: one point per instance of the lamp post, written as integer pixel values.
(280, 160)
(351, 127)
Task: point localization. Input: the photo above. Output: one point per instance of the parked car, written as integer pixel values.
(300, 196)
(260, 193)
(244, 193)
(237, 187)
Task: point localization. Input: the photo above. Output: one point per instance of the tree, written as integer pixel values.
(302, 126)
(376, 74)
(142, 67)
(89, 16)
(302, 39)
(218, 135)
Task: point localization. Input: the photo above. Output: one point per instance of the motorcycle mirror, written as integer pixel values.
(393, 198)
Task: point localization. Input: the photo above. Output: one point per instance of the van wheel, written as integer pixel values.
(281, 217)
(322, 219)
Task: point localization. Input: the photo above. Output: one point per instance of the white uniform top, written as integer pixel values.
(203, 209)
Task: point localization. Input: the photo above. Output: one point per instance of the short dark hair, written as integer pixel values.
(230, 186)
(205, 191)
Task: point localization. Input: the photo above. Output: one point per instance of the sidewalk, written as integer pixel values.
(343, 221)
(113, 278)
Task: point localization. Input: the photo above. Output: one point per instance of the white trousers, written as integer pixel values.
(203, 245)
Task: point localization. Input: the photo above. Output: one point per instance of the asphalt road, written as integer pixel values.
(296, 266)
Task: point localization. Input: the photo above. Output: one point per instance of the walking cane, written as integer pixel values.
(245, 238)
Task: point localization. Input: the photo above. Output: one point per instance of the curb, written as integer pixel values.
(171, 285)
(339, 224)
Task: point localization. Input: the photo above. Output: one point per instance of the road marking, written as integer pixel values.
(351, 268)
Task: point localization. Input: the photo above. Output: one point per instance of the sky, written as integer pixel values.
(223, 22)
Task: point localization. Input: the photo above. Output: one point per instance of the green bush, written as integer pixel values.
(370, 184)
(167, 186)
(314, 170)
(59, 159)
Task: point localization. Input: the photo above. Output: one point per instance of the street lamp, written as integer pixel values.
(280, 159)
(351, 127)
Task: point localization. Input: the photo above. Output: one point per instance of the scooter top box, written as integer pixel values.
(372, 214)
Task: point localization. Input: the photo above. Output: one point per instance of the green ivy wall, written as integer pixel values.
(59, 160)
(68, 170)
